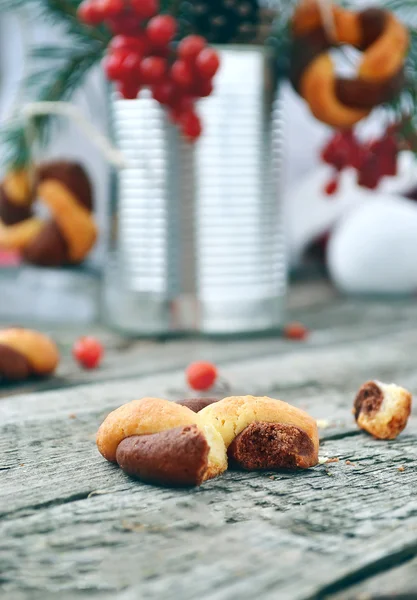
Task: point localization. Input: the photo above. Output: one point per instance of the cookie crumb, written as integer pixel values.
(323, 423)
(22, 465)
(332, 460)
(401, 469)
(72, 416)
(351, 464)
(273, 478)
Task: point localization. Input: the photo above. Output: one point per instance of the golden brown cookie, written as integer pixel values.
(24, 352)
(148, 458)
(68, 235)
(338, 101)
(382, 410)
(263, 433)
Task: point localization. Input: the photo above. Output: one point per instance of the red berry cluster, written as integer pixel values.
(372, 160)
(140, 55)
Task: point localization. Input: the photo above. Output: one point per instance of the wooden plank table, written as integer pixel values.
(74, 526)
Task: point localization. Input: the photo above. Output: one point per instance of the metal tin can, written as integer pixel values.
(198, 244)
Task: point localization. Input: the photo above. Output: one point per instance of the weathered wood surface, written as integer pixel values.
(73, 526)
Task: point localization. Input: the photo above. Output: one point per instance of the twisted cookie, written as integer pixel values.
(334, 100)
(162, 442)
(24, 352)
(262, 433)
(70, 233)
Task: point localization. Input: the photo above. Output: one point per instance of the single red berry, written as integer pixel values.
(201, 375)
(207, 63)
(139, 44)
(88, 352)
(296, 331)
(163, 92)
(131, 67)
(161, 30)
(369, 175)
(332, 186)
(145, 9)
(111, 8)
(190, 47)
(182, 74)
(191, 125)
(90, 13)
(153, 69)
(112, 64)
(129, 90)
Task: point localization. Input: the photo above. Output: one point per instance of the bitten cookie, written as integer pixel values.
(162, 442)
(24, 352)
(382, 410)
(263, 433)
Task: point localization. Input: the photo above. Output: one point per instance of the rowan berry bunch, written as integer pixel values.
(372, 160)
(141, 55)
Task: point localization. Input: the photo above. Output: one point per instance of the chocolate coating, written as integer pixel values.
(373, 22)
(13, 365)
(197, 404)
(304, 50)
(73, 176)
(176, 457)
(358, 93)
(272, 446)
(368, 399)
(11, 213)
(48, 249)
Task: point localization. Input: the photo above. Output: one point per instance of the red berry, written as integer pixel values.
(161, 30)
(125, 24)
(201, 375)
(369, 175)
(112, 64)
(128, 42)
(163, 92)
(182, 74)
(90, 13)
(191, 125)
(190, 47)
(203, 88)
(153, 69)
(88, 352)
(332, 187)
(296, 331)
(207, 63)
(145, 9)
(130, 68)
(111, 8)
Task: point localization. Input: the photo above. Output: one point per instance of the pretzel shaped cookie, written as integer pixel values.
(263, 433)
(24, 352)
(68, 235)
(334, 100)
(162, 442)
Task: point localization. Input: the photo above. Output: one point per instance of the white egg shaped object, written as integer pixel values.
(373, 249)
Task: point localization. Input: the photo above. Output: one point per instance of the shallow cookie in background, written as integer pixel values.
(263, 433)
(197, 404)
(162, 442)
(382, 409)
(25, 353)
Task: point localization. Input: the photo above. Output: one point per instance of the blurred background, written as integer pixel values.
(204, 236)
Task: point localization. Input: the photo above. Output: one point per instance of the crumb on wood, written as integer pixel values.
(272, 477)
(323, 423)
(351, 464)
(332, 460)
(401, 468)
(22, 465)
(72, 416)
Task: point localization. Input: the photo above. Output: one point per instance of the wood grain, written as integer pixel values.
(74, 526)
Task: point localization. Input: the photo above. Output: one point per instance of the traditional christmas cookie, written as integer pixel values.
(70, 233)
(24, 352)
(382, 410)
(337, 101)
(262, 433)
(162, 442)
